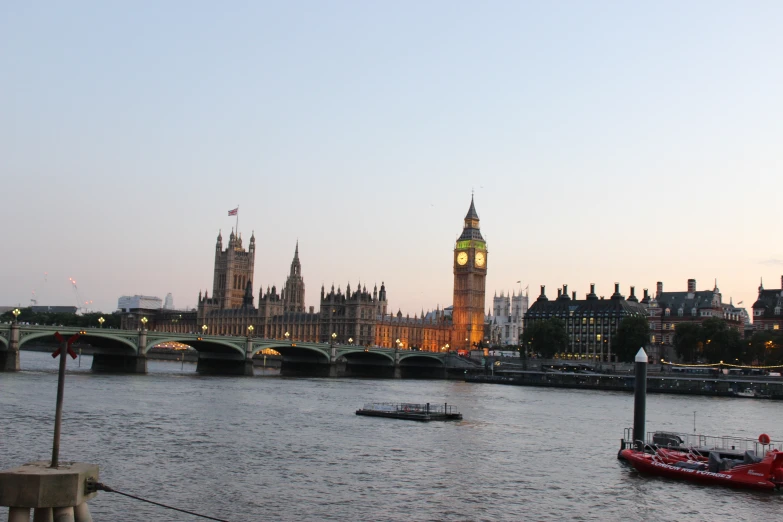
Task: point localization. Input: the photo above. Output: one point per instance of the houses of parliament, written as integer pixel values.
(357, 316)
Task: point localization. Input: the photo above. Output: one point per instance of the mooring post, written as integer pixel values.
(58, 416)
(640, 399)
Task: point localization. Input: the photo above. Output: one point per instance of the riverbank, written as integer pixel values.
(709, 386)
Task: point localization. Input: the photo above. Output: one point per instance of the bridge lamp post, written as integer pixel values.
(101, 320)
(287, 335)
(16, 313)
(334, 336)
(350, 340)
(144, 323)
(250, 331)
(204, 330)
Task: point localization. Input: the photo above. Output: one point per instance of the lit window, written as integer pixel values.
(776, 327)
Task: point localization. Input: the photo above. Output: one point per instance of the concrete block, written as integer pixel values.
(36, 485)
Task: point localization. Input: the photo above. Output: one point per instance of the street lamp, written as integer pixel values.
(334, 336)
(398, 344)
(204, 330)
(287, 335)
(144, 322)
(16, 313)
(250, 330)
(350, 340)
(101, 321)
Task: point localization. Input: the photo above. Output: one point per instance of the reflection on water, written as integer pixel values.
(293, 449)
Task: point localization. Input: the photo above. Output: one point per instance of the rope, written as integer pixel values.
(103, 487)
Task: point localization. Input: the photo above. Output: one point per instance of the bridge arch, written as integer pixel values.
(96, 338)
(201, 344)
(359, 354)
(309, 351)
(428, 356)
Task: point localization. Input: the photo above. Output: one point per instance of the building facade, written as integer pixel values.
(666, 310)
(591, 322)
(768, 309)
(506, 323)
(351, 317)
(233, 271)
(470, 275)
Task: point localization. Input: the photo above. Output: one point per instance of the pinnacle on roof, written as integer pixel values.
(472, 210)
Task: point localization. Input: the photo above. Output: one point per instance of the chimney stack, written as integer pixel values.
(691, 286)
(592, 288)
(646, 295)
(565, 289)
(573, 295)
(659, 290)
(559, 293)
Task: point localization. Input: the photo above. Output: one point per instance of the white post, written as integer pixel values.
(63, 514)
(18, 514)
(43, 514)
(82, 513)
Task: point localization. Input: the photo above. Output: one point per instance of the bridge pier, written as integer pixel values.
(114, 363)
(9, 359)
(220, 366)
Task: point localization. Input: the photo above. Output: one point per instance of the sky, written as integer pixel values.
(604, 141)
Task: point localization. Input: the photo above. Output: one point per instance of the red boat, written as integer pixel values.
(751, 472)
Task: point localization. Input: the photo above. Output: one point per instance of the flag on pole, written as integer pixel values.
(740, 302)
(233, 212)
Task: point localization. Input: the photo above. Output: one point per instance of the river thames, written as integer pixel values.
(271, 448)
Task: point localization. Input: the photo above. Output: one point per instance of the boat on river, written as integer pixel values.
(717, 461)
(409, 411)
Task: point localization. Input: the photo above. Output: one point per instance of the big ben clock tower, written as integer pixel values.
(470, 275)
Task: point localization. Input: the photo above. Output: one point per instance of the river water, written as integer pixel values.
(271, 448)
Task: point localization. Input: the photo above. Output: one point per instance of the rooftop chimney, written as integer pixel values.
(691, 286)
(559, 293)
(573, 295)
(632, 297)
(659, 290)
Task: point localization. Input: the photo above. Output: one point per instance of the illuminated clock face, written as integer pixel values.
(462, 258)
(480, 260)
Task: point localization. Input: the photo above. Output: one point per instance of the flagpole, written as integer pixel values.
(237, 222)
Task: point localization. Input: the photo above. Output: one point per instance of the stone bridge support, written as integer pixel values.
(9, 359)
(123, 363)
(225, 364)
(397, 370)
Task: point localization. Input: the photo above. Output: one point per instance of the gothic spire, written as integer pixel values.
(472, 210)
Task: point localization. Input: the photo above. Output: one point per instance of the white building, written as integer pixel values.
(506, 323)
(127, 303)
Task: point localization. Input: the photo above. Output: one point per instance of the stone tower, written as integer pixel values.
(294, 291)
(233, 271)
(470, 275)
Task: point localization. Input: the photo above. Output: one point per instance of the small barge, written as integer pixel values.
(407, 411)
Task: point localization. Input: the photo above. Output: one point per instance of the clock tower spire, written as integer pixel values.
(470, 275)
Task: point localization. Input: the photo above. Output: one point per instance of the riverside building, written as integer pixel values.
(354, 316)
(768, 309)
(666, 310)
(591, 322)
(507, 322)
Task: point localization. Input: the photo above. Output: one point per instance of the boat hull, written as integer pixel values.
(751, 476)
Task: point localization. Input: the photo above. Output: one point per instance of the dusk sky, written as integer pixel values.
(605, 141)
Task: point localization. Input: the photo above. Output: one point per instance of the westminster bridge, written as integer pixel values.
(125, 351)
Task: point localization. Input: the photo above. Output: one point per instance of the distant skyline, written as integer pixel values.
(606, 142)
